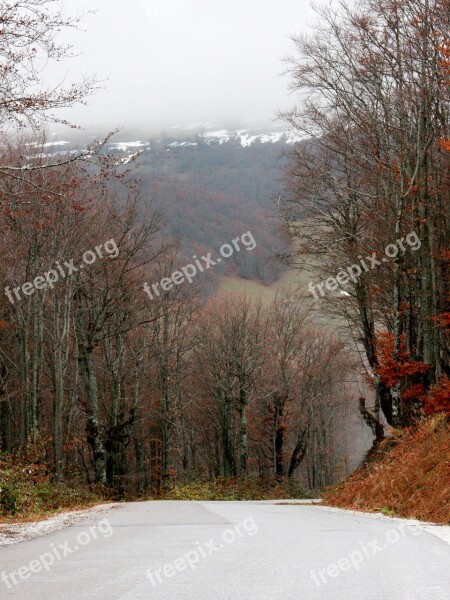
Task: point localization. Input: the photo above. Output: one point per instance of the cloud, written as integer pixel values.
(177, 62)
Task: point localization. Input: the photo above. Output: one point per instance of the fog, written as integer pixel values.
(169, 64)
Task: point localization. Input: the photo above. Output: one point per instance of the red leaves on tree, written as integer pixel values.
(443, 320)
(445, 145)
(444, 50)
(438, 398)
(400, 369)
(394, 369)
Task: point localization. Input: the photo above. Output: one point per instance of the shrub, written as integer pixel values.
(9, 499)
(248, 488)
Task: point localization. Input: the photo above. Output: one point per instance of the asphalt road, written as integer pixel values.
(228, 551)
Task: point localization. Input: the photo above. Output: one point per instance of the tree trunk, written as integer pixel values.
(279, 441)
(243, 456)
(299, 452)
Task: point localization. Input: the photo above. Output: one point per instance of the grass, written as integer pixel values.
(408, 477)
(289, 280)
(250, 488)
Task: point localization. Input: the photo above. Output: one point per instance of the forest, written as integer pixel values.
(208, 192)
(132, 393)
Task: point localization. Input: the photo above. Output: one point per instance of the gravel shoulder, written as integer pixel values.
(13, 533)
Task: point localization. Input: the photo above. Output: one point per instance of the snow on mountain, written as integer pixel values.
(47, 144)
(182, 144)
(125, 146)
(245, 137)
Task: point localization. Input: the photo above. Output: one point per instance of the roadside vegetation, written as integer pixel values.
(407, 476)
(250, 488)
(28, 493)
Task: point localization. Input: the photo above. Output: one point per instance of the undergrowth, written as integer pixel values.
(408, 476)
(27, 491)
(249, 488)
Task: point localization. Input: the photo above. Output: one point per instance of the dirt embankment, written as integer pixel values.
(408, 476)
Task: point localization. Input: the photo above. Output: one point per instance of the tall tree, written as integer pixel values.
(375, 106)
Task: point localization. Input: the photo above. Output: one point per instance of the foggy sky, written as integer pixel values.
(178, 63)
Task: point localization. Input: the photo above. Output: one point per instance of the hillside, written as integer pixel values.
(211, 186)
(408, 476)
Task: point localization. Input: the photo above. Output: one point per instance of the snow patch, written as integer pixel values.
(182, 144)
(247, 139)
(47, 144)
(130, 158)
(124, 146)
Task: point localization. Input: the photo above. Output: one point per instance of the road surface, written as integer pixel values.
(228, 551)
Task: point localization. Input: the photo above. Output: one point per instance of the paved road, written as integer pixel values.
(228, 551)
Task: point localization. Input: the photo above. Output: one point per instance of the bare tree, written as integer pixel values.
(374, 102)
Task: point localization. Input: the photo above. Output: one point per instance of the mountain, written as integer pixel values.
(213, 186)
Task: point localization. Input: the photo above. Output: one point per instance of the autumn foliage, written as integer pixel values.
(438, 398)
(395, 367)
(407, 477)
